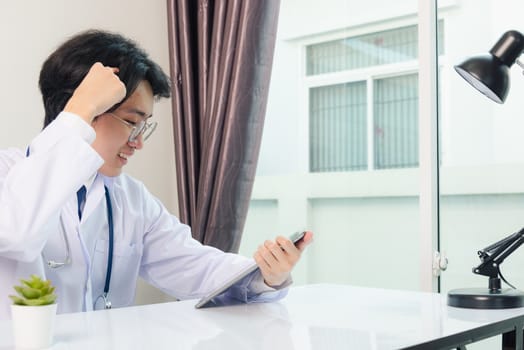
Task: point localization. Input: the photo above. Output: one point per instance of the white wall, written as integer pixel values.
(30, 30)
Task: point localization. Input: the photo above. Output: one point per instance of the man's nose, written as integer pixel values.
(138, 143)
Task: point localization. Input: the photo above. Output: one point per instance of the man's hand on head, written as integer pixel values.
(99, 90)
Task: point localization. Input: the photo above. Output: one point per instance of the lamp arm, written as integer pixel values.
(492, 248)
(493, 255)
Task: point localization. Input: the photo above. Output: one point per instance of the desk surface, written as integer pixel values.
(310, 317)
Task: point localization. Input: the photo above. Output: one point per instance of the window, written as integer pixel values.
(390, 46)
(337, 119)
(340, 115)
(319, 142)
(395, 128)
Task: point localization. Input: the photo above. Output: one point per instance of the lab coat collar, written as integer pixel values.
(89, 182)
(95, 193)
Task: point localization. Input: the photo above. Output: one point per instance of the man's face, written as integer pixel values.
(112, 135)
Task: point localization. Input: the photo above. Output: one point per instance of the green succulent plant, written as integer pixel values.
(34, 292)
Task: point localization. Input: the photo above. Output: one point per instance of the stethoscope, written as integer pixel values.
(55, 264)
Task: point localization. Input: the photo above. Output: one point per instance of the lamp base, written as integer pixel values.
(485, 298)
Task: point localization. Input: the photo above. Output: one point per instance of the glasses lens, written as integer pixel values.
(148, 130)
(144, 129)
(134, 134)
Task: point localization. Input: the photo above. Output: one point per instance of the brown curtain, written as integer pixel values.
(221, 54)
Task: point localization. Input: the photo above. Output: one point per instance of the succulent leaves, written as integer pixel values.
(34, 292)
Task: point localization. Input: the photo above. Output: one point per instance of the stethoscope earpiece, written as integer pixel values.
(54, 265)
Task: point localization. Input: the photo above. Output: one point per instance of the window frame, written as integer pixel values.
(367, 74)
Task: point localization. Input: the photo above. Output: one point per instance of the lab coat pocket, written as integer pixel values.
(124, 274)
(57, 249)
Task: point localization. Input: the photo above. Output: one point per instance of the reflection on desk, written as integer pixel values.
(310, 317)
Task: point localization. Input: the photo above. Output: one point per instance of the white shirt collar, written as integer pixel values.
(90, 181)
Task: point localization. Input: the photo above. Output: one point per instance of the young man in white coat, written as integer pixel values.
(69, 214)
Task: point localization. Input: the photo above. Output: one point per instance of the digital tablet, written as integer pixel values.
(295, 237)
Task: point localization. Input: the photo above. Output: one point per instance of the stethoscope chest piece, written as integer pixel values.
(105, 299)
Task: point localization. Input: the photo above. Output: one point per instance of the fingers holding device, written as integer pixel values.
(277, 258)
(298, 241)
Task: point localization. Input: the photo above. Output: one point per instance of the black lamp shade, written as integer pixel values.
(490, 73)
(487, 74)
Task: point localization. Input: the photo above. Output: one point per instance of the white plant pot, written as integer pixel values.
(33, 326)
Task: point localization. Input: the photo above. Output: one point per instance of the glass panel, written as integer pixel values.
(372, 49)
(482, 164)
(384, 47)
(482, 161)
(317, 132)
(337, 127)
(395, 111)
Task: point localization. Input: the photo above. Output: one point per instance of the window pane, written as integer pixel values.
(337, 127)
(482, 166)
(363, 51)
(395, 110)
(384, 47)
(318, 131)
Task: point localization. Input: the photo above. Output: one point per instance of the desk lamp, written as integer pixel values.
(489, 74)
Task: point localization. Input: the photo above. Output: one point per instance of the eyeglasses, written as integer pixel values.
(141, 128)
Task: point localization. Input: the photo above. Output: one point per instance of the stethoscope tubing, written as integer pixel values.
(54, 264)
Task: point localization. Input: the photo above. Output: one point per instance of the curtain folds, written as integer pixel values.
(221, 54)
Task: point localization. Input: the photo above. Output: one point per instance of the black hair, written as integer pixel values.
(65, 68)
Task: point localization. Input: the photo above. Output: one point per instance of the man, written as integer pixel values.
(68, 213)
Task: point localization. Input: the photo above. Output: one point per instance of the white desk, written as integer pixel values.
(311, 317)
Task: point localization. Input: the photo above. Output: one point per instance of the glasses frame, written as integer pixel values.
(143, 127)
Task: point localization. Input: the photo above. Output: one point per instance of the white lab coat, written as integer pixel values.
(36, 191)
